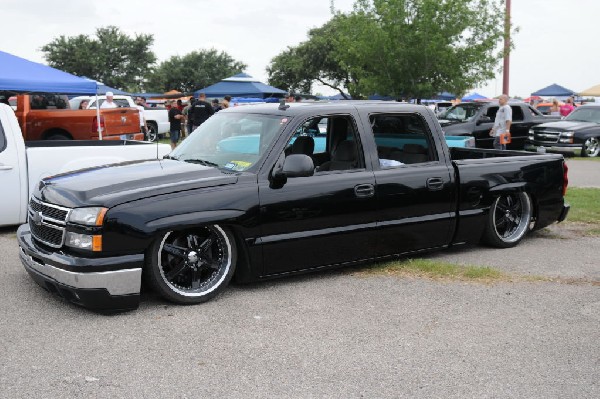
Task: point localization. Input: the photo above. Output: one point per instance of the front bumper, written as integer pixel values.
(570, 149)
(111, 289)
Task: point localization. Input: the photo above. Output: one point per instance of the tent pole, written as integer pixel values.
(98, 115)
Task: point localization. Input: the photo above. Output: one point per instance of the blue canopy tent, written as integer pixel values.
(553, 90)
(241, 85)
(472, 97)
(19, 75)
(445, 96)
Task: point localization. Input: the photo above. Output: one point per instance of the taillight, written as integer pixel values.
(565, 178)
(95, 124)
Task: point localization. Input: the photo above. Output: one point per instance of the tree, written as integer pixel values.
(319, 59)
(112, 57)
(194, 71)
(402, 48)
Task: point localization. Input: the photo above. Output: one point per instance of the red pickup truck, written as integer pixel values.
(48, 117)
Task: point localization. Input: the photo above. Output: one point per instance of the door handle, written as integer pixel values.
(435, 183)
(5, 167)
(364, 190)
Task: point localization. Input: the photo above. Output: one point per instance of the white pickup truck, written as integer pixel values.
(22, 166)
(157, 119)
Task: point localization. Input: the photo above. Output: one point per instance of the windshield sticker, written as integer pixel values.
(284, 120)
(238, 165)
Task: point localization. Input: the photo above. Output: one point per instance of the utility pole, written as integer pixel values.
(506, 68)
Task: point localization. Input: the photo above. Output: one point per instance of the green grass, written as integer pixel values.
(578, 158)
(435, 269)
(585, 205)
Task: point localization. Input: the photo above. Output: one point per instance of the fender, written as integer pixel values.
(225, 216)
(509, 188)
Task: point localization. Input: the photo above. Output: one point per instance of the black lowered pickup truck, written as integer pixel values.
(477, 118)
(263, 191)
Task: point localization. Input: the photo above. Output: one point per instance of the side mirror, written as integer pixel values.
(294, 165)
(298, 165)
(484, 119)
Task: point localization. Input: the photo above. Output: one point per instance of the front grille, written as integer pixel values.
(48, 234)
(47, 222)
(546, 136)
(48, 210)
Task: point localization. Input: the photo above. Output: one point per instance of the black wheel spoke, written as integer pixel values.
(176, 270)
(206, 245)
(175, 250)
(214, 265)
(196, 278)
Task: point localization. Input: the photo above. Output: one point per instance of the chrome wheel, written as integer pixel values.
(591, 147)
(152, 134)
(192, 266)
(509, 220)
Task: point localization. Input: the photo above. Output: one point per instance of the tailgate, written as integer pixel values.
(120, 121)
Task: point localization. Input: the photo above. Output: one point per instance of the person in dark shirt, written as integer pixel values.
(201, 111)
(175, 117)
(216, 106)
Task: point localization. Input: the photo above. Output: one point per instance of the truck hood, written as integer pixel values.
(120, 183)
(567, 125)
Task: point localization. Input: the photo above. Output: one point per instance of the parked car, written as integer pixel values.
(45, 116)
(157, 119)
(577, 134)
(477, 118)
(386, 184)
(22, 165)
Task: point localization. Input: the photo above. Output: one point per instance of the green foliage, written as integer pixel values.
(402, 48)
(112, 57)
(194, 71)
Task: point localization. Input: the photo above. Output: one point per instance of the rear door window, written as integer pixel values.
(402, 139)
(517, 113)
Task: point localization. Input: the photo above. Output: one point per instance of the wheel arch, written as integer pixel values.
(53, 131)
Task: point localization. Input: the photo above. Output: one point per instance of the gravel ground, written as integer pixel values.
(329, 335)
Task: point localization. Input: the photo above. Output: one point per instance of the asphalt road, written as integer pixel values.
(343, 334)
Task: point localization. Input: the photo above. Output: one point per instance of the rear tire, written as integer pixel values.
(152, 134)
(509, 220)
(591, 147)
(192, 266)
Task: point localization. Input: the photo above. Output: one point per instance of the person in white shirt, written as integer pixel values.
(502, 122)
(139, 102)
(109, 103)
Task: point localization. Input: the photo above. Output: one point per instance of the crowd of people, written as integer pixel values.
(184, 119)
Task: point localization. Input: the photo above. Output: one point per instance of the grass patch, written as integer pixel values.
(585, 206)
(436, 269)
(578, 158)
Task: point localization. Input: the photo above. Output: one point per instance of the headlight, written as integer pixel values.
(567, 134)
(88, 216)
(84, 241)
(531, 132)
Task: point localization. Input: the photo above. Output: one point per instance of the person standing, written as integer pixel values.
(226, 101)
(109, 103)
(201, 111)
(139, 103)
(216, 106)
(502, 122)
(567, 107)
(555, 108)
(187, 115)
(175, 117)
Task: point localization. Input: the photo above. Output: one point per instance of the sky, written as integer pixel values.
(556, 43)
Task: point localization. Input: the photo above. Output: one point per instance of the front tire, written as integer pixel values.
(192, 266)
(591, 147)
(508, 220)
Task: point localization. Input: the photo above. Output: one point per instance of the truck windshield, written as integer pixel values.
(233, 141)
(584, 115)
(462, 112)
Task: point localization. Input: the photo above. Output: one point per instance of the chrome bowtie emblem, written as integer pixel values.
(37, 218)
